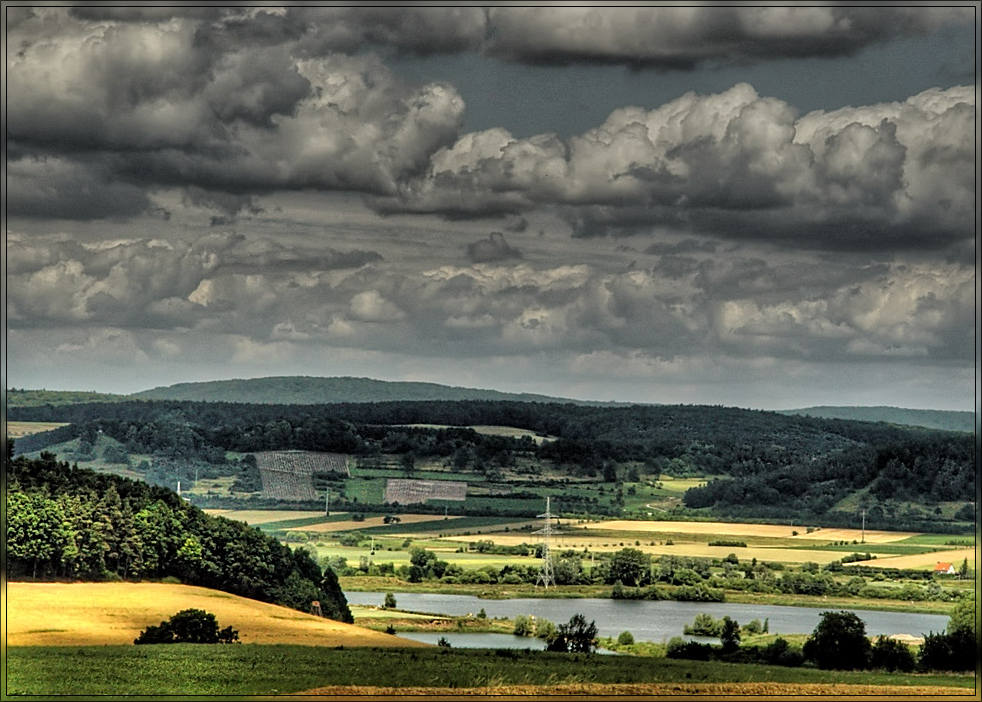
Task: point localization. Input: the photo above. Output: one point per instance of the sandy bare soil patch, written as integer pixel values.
(371, 522)
(77, 614)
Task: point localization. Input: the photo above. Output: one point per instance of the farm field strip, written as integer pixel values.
(263, 516)
(923, 561)
(467, 559)
(725, 529)
(684, 549)
(16, 429)
(351, 525)
(82, 614)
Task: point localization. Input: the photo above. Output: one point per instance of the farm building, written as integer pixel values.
(289, 475)
(944, 568)
(406, 491)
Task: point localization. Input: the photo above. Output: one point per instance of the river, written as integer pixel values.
(652, 621)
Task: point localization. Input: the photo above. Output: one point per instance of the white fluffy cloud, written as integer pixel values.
(732, 163)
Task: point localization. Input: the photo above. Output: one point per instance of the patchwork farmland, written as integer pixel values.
(289, 475)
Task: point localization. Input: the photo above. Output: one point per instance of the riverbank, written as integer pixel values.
(509, 591)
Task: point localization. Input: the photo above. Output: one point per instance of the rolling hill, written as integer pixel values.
(306, 390)
(87, 614)
(945, 420)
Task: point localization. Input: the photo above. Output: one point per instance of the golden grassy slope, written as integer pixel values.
(923, 561)
(264, 516)
(74, 614)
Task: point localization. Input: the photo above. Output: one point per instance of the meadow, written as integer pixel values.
(185, 669)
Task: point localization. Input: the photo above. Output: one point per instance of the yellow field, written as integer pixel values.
(492, 430)
(16, 430)
(923, 561)
(326, 527)
(264, 516)
(743, 529)
(76, 614)
(680, 484)
(685, 549)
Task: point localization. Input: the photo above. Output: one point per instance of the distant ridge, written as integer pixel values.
(947, 420)
(306, 390)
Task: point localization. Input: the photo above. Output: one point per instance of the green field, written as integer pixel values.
(255, 669)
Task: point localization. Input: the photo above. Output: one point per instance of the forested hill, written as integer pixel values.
(67, 522)
(945, 420)
(304, 390)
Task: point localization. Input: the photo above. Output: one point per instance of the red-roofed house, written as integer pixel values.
(944, 568)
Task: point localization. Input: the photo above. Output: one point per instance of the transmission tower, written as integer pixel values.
(546, 575)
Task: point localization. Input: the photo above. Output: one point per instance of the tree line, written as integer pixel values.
(67, 522)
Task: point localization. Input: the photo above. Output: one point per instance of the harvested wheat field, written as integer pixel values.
(576, 691)
(744, 529)
(923, 561)
(371, 522)
(77, 614)
(264, 516)
(16, 430)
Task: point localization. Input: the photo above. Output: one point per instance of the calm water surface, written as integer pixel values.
(647, 621)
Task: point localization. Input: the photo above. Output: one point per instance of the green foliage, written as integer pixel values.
(576, 636)
(729, 635)
(67, 522)
(704, 625)
(839, 641)
(523, 626)
(390, 601)
(890, 654)
(629, 566)
(194, 626)
(625, 638)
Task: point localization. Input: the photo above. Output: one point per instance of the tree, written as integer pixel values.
(839, 641)
(626, 638)
(576, 636)
(188, 626)
(390, 601)
(630, 566)
(729, 635)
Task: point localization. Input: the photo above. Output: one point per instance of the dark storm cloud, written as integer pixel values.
(49, 187)
(684, 37)
(685, 246)
(494, 248)
(660, 37)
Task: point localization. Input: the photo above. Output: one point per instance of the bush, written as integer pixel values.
(691, 650)
(626, 638)
(780, 652)
(390, 601)
(891, 655)
(576, 636)
(523, 626)
(188, 626)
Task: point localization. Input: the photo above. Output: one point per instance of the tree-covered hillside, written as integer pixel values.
(768, 464)
(304, 390)
(946, 420)
(66, 522)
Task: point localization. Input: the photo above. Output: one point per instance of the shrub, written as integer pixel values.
(523, 626)
(626, 638)
(891, 655)
(576, 636)
(692, 650)
(780, 652)
(188, 626)
(390, 601)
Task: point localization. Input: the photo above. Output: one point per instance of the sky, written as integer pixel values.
(754, 206)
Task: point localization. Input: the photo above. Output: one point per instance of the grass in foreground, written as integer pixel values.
(265, 669)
